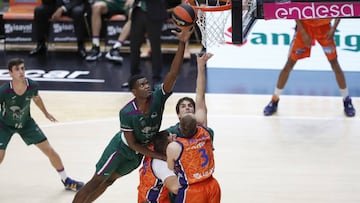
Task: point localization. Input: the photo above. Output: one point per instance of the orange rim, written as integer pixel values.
(205, 8)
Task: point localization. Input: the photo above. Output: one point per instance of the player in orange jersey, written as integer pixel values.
(192, 159)
(306, 32)
(150, 188)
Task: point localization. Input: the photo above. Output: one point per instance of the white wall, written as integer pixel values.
(265, 53)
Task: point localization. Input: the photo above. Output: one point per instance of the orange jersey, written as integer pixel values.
(196, 162)
(318, 30)
(151, 189)
(195, 167)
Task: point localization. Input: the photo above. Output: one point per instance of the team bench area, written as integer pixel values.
(16, 28)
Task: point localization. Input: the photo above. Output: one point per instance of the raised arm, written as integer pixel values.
(170, 78)
(201, 109)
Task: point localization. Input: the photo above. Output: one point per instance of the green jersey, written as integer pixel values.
(15, 109)
(144, 126)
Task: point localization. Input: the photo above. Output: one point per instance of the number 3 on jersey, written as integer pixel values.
(204, 156)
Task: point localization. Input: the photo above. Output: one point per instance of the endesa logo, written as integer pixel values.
(310, 10)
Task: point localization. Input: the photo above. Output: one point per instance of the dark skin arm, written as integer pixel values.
(170, 78)
(133, 144)
(168, 86)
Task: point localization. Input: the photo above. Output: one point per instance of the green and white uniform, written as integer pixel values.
(118, 156)
(15, 115)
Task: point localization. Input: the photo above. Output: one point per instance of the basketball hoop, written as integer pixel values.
(211, 19)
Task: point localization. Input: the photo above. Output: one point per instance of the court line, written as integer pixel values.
(319, 118)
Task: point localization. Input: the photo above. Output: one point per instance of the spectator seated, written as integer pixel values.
(21, 9)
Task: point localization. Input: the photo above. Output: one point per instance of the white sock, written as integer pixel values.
(117, 44)
(96, 41)
(63, 175)
(277, 91)
(344, 92)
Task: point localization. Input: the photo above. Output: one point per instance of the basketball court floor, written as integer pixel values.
(307, 153)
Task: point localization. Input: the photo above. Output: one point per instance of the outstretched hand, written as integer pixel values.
(202, 58)
(50, 117)
(184, 35)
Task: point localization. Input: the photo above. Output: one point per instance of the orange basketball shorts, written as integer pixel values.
(298, 50)
(207, 191)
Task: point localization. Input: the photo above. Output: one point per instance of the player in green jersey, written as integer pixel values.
(140, 120)
(15, 98)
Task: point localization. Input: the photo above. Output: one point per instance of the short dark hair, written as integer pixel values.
(177, 108)
(15, 62)
(133, 79)
(160, 141)
(188, 125)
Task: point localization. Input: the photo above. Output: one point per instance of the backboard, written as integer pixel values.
(244, 15)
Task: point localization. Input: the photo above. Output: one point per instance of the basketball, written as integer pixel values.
(183, 16)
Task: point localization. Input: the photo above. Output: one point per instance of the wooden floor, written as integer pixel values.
(307, 153)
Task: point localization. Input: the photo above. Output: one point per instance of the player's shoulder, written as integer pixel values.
(5, 86)
(160, 92)
(32, 83)
(128, 107)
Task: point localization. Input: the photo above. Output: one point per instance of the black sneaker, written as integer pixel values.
(114, 55)
(94, 53)
(349, 109)
(72, 185)
(271, 108)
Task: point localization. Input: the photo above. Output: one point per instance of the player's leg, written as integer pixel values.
(297, 46)
(114, 53)
(103, 177)
(97, 11)
(56, 162)
(120, 165)
(349, 109)
(213, 191)
(5, 136)
(284, 74)
(271, 108)
(53, 156)
(32, 134)
(119, 7)
(329, 48)
(94, 188)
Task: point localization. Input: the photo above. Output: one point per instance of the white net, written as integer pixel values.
(212, 25)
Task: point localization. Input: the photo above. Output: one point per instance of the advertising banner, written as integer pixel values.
(267, 45)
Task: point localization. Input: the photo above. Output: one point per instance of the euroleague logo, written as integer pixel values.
(228, 37)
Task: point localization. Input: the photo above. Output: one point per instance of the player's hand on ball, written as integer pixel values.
(183, 34)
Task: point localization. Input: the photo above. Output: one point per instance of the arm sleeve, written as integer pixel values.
(161, 169)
